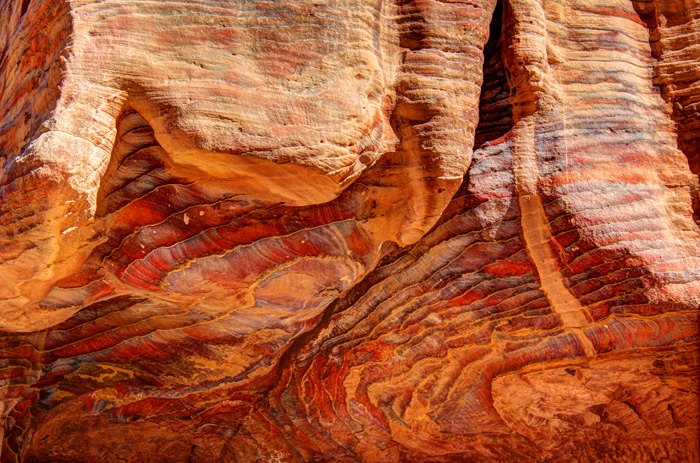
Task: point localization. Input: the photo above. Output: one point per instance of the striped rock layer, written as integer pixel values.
(349, 231)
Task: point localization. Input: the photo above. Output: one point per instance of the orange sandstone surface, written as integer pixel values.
(368, 231)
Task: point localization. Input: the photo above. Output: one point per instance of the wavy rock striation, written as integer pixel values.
(396, 231)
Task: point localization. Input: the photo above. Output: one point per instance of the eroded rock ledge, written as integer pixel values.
(357, 231)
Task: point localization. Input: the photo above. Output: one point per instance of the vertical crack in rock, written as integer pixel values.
(495, 110)
(437, 80)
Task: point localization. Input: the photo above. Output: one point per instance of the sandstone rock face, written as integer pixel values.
(357, 231)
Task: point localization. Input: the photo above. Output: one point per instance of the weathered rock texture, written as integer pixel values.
(358, 231)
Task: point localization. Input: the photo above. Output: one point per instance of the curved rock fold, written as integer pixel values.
(357, 231)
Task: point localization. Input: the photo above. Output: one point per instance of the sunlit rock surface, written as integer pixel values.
(379, 231)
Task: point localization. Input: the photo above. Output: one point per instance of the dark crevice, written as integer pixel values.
(25, 7)
(495, 111)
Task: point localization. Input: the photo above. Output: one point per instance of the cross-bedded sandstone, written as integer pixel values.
(255, 231)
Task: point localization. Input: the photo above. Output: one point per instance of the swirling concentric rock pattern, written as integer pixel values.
(349, 231)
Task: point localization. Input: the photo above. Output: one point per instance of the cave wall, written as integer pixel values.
(358, 231)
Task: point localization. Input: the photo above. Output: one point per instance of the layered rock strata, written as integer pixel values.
(401, 231)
